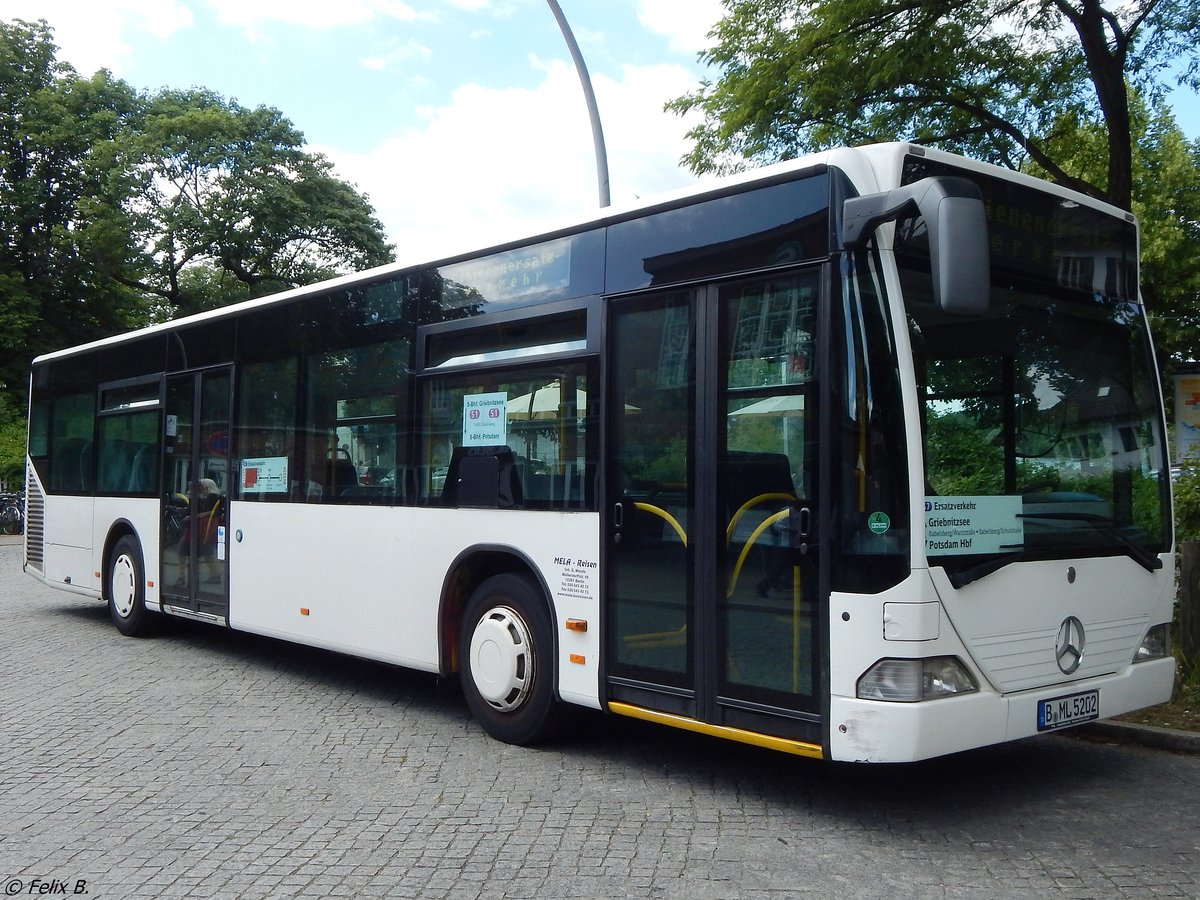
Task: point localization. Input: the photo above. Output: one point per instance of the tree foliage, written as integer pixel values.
(1000, 80)
(1186, 498)
(1066, 90)
(227, 204)
(1167, 204)
(1166, 200)
(12, 443)
(52, 293)
(119, 208)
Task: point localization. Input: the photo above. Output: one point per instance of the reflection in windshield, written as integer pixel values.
(1041, 419)
(1050, 401)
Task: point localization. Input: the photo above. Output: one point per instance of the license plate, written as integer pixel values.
(1069, 710)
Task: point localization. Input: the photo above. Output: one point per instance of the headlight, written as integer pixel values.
(1154, 645)
(913, 680)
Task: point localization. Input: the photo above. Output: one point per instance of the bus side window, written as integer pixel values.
(71, 468)
(356, 399)
(532, 427)
(268, 463)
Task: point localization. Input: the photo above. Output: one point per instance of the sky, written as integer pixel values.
(463, 121)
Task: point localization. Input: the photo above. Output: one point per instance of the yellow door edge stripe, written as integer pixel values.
(785, 745)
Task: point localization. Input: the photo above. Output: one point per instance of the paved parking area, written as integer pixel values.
(200, 763)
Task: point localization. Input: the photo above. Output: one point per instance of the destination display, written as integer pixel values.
(516, 274)
(484, 421)
(965, 525)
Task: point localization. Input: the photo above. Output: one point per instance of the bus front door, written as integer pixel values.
(196, 482)
(711, 567)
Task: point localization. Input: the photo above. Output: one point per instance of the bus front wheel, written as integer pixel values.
(506, 660)
(126, 588)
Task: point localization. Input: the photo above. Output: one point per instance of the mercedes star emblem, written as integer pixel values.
(1068, 650)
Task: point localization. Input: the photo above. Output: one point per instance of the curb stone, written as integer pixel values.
(1144, 735)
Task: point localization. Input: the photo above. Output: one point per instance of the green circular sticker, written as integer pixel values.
(879, 522)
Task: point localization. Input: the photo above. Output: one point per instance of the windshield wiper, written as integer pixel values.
(1135, 551)
(963, 577)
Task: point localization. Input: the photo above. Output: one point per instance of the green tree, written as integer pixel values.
(12, 443)
(1186, 496)
(1167, 204)
(118, 208)
(53, 126)
(1166, 200)
(229, 205)
(999, 80)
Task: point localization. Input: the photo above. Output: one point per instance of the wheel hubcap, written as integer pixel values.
(502, 658)
(124, 585)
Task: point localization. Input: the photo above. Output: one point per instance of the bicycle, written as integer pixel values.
(12, 514)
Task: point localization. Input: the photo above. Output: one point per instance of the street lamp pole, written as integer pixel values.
(590, 97)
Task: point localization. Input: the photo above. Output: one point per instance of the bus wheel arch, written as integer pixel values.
(124, 585)
(497, 617)
(470, 569)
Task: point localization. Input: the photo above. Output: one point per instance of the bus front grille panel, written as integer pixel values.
(1025, 660)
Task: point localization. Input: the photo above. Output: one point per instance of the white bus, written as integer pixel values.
(858, 457)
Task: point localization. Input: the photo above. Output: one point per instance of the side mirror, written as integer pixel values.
(956, 220)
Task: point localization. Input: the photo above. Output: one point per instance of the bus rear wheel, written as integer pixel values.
(126, 588)
(507, 658)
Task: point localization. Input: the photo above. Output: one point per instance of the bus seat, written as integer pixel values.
(115, 459)
(340, 475)
(68, 464)
(87, 467)
(405, 481)
(541, 486)
(142, 471)
(483, 477)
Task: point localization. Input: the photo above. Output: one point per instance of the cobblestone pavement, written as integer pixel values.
(200, 763)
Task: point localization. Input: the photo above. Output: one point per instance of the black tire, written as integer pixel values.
(506, 660)
(10, 520)
(125, 588)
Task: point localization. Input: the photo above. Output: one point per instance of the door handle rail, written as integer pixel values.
(665, 516)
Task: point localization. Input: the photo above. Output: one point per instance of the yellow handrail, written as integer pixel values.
(666, 516)
(660, 639)
(763, 526)
(745, 507)
(797, 590)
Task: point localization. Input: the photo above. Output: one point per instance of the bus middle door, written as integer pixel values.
(196, 490)
(712, 576)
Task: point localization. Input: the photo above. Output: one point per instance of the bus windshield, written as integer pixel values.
(1041, 424)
